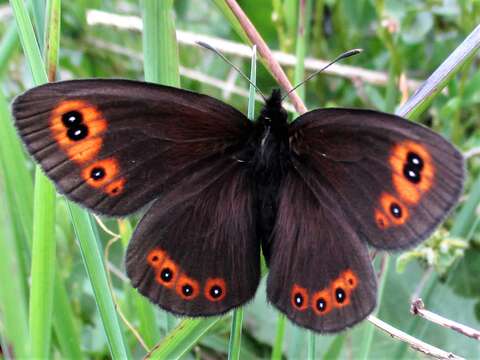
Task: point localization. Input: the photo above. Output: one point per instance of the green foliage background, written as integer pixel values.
(409, 38)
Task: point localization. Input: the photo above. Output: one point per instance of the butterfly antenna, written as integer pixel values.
(338, 58)
(209, 47)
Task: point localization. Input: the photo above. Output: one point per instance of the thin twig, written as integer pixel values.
(471, 153)
(126, 22)
(418, 308)
(413, 342)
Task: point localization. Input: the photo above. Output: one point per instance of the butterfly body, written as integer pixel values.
(313, 194)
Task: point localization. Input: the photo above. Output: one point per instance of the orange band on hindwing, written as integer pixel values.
(299, 297)
(413, 171)
(187, 288)
(77, 127)
(215, 289)
(335, 296)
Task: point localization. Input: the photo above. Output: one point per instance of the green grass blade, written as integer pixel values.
(311, 345)
(28, 40)
(335, 349)
(44, 244)
(160, 47)
(13, 307)
(43, 266)
(38, 10)
(278, 344)
(179, 341)
(93, 260)
(7, 47)
(66, 331)
(53, 37)
(303, 34)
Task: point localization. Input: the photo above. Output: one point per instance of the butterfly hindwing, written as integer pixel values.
(320, 274)
(195, 252)
(396, 180)
(115, 145)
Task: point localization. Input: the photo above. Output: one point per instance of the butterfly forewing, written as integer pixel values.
(395, 180)
(115, 145)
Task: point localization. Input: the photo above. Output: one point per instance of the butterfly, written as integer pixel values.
(218, 189)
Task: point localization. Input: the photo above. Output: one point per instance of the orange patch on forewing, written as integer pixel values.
(340, 283)
(210, 285)
(298, 290)
(110, 170)
(167, 265)
(82, 150)
(116, 187)
(408, 191)
(155, 258)
(381, 219)
(183, 282)
(386, 201)
(318, 296)
(350, 278)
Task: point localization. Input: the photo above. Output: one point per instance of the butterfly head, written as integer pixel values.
(273, 113)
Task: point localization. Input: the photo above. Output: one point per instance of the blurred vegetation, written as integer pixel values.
(401, 39)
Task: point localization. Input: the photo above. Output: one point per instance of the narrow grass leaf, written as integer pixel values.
(277, 349)
(93, 260)
(179, 341)
(13, 307)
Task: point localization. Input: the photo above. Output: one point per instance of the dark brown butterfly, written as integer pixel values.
(313, 194)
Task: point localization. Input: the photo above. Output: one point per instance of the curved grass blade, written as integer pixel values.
(179, 341)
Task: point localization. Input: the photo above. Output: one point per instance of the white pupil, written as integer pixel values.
(411, 173)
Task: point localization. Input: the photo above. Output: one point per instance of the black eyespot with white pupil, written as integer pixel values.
(187, 290)
(298, 298)
(166, 275)
(396, 210)
(78, 132)
(215, 291)
(340, 295)
(321, 305)
(413, 167)
(72, 119)
(97, 173)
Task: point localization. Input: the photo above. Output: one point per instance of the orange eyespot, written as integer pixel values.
(116, 187)
(322, 302)
(215, 289)
(396, 212)
(350, 279)
(167, 274)
(187, 288)
(381, 219)
(101, 172)
(299, 298)
(413, 170)
(155, 258)
(340, 293)
(76, 126)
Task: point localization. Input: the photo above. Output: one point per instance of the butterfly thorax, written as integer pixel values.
(270, 161)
